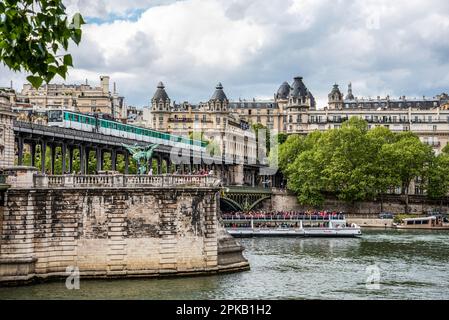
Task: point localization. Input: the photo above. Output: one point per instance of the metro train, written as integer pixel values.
(106, 125)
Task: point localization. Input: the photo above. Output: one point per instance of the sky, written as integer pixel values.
(383, 47)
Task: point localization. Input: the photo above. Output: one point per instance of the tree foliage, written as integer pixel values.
(356, 163)
(34, 37)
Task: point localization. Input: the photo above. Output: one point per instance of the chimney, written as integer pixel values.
(11, 85)
(115, 88)
(105, 84)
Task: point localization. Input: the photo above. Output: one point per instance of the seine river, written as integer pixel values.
(401, 265)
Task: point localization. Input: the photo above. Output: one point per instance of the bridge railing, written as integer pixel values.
(80, 181)
(228, 217)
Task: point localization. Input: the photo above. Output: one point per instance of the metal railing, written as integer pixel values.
(302, 217)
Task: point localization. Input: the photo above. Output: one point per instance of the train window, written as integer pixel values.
(54, 116)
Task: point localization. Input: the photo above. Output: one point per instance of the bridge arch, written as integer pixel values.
(226, 202)
(259, 201)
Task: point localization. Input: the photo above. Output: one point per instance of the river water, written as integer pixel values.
(383, 264)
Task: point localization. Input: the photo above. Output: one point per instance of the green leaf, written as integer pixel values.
(62, 71)
(68, 60)
(35, 81)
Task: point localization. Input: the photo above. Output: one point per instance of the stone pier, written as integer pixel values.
(112, 226)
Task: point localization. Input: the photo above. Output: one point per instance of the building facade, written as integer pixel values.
(6, 128)
(82, 98)
(213, 121)
(288, 106)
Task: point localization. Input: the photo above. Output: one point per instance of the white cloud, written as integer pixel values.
(383, 47)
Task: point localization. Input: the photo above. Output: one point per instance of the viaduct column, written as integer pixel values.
(71, 159)
(43, 152)
(126, 155)
(113, 159)
(82, 159)
(33, 153)
(52, 158)
(99, 159)
(20, 151)
(86, 157)
(159, 164)
(64, 156)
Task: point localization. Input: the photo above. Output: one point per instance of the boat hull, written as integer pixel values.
(420, 228)
(304, 233)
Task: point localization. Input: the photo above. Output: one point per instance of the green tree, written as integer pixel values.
(408, 159)
(438, 182)
(289, 150)
(281, 137)
(348, 168)
(446, 149)
(34, 37)
(352, 162)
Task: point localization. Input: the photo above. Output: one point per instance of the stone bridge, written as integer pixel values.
(112, 226)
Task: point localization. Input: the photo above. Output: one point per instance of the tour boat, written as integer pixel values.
(425, 223)
(297, 226)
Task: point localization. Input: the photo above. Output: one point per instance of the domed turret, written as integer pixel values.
(219, 94)
(160, 100)
(160, 94)
(283, 91)
(299, 89)
(218, 101)
(335, 98)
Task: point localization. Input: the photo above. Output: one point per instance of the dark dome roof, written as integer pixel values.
(335, 93)
(160, 93)
(298, 88)
(219, 93)
(283, 91)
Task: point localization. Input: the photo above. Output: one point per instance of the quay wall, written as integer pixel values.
(113, 232)
(371, 223)
(285, 201)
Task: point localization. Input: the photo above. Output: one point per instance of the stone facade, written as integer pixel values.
(213, 120)
(6, 130)
(113, 232)
(82, 98)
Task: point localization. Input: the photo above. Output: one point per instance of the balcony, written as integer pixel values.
(180, 120)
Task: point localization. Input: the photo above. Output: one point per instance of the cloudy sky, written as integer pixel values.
(251, 46)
